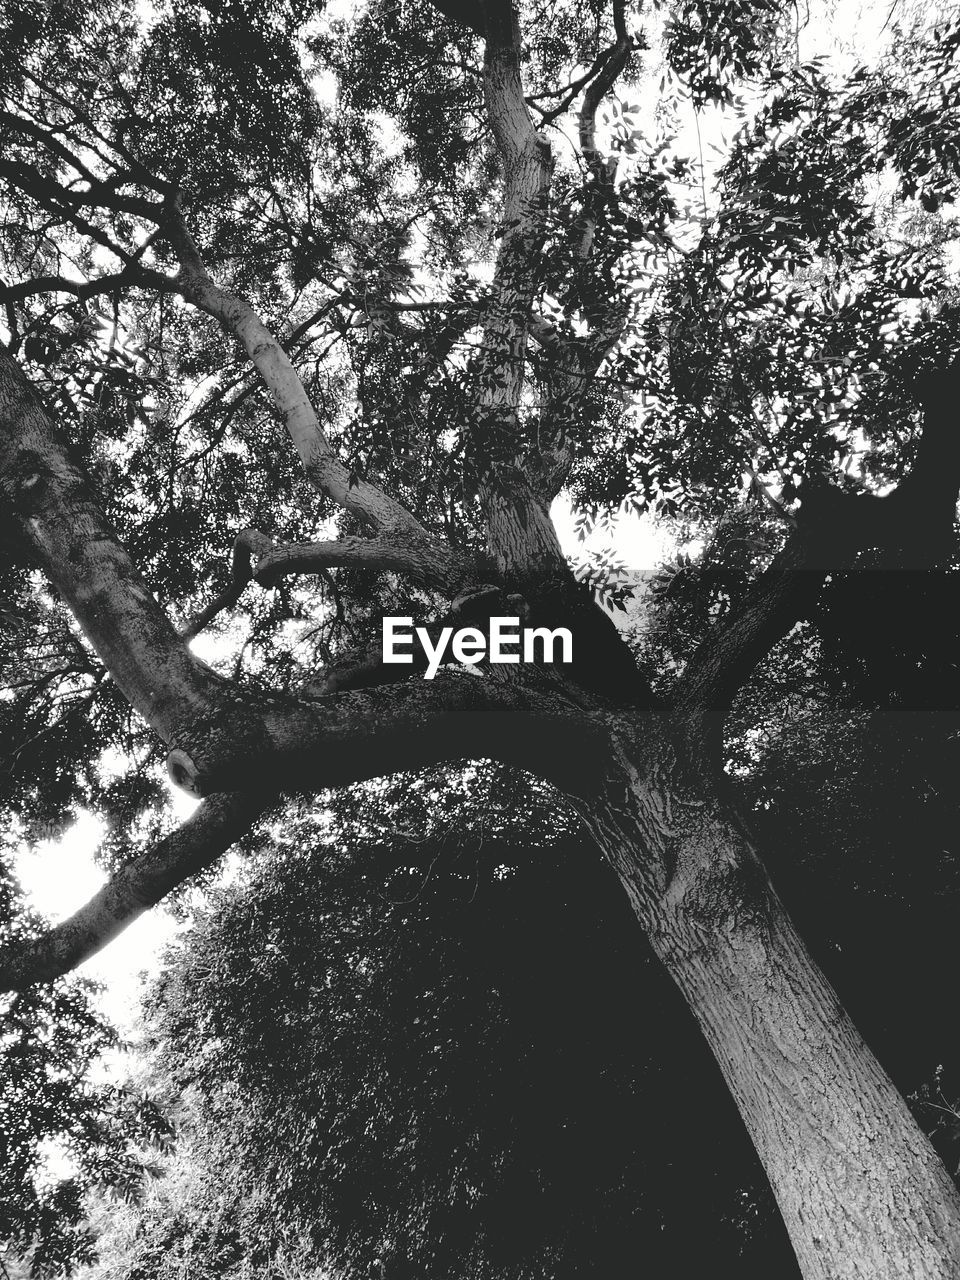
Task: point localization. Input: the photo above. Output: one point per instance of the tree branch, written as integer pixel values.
(224, 737)
(324, 470)
(137, 170)
(914, 524)
(410, 556)
(570, 91)
(47, 496)
(780, 597)
(248, 543)
(52, 194)
(219, 822)
(526, 158)
(616, 60)
(520, 534)
(576, 360)
(134, 274)
(354, 736)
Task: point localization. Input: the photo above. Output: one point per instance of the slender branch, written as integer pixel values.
(53, 198)
(570, 91)
(48, 139)
(134, 274)
(578, 359)
(248, 543)
(325, 471)
(614, 64)
(101, 195)
(527, 164)
(412, 557)
(139, 171)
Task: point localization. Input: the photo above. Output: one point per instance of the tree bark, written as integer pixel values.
(46, 495)
(862, 1192)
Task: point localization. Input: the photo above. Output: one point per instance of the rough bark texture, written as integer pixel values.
(48, 494)
(862, 1192)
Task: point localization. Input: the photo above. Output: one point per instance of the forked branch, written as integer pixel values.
(914, 524)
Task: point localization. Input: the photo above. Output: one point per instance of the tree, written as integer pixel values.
(795, 333)
(49, 1109)
(436, 1017)
(453, 1078)
(397, 993)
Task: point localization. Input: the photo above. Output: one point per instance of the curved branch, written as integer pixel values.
(355, 735)
(570, 91)
(412, 557)
(603, 172)
(248, 543)
(614, 64)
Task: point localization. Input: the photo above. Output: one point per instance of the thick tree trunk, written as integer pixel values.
(862, 1192)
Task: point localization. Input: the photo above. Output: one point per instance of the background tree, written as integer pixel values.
(447, 1033)
(455, 1083)
(62, 1133)
(450, 324)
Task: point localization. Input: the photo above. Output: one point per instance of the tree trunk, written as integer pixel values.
(862, 1192)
